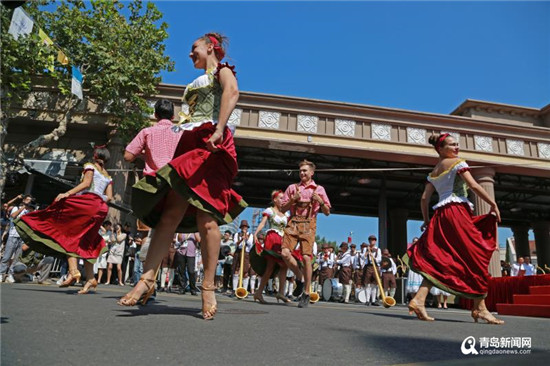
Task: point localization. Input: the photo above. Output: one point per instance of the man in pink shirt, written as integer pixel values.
(156, 144)
(304, 200)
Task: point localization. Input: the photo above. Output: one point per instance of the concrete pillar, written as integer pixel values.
(383, 217)
(542, 242)
(521, 239)
(116, 167)
(398, 231)
(485, 178)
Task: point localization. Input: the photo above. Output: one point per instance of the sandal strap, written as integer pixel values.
(148, 282)
(213, 288)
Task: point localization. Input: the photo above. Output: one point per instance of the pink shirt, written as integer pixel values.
(158, 143)
(306, 193)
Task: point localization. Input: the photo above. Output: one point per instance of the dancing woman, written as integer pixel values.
(193, 191)
(455, 249)
(270, 254)
(70, 225)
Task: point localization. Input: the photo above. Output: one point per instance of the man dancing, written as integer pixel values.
(304, 200)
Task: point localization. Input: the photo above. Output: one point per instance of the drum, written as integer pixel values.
(332, 289)
(362, 295)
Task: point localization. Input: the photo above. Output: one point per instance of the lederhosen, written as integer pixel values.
(237, 260)
(368, 271)
(344, 275)
(388, 278)
(301, 229)
(357, 272)
(325, 273)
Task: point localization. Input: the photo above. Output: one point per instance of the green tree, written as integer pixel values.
(119, 47)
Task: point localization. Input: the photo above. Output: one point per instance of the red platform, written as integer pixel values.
(523, 296)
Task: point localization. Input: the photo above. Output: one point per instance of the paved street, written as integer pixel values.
(46, 325)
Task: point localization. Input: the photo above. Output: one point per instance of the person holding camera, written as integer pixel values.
(14, 242)
(116, 253)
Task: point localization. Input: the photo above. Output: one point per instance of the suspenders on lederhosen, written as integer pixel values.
(301, 225)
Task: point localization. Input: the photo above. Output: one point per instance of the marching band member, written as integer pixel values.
(388, 273)
(356, 270)
(326, 263)
(242, 238)
(344, 274)
(304, 200)
(369, 278)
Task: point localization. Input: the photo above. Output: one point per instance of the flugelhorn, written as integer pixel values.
(540, 269)
(388, 301)
(241, 292)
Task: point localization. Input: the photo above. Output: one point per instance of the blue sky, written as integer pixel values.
(424, 56)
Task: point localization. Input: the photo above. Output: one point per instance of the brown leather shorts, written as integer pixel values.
(300, 230)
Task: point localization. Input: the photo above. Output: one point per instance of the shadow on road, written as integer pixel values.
(413, 317)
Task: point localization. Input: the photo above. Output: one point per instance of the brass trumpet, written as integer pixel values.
(388, 301)
(241, 292)
(540, 269)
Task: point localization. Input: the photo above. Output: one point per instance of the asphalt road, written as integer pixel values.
(46, 325)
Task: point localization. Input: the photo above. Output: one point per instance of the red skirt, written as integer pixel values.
(273, 246)
(69, 226)
(204, 178)
(455, 250)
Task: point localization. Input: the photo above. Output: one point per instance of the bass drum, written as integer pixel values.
(362, 295)
(332, 289)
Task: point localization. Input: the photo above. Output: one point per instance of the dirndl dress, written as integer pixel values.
(454, 251)
(202, 177)
(70, 226)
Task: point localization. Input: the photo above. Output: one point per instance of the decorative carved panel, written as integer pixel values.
(269, 119)
(345, 127)
(381, 131)
(483, 143)
(235, 117)
(515, 147)
(416, 135)
(544, 150)
(307, 123)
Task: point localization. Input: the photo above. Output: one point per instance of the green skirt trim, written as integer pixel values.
(46, 245)
(152, 190)
(409, 262)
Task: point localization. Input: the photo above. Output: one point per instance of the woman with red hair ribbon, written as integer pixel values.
(193, 192)
(266, 258)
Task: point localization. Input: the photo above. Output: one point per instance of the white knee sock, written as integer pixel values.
(369, 292)
(392, 292)
(374, 293)
(235, 282)
(347, 289)
(290, 288)
(252, 283)
(245, 283)
(270, 285)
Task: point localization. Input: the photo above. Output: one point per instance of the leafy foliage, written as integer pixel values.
(119, 47)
